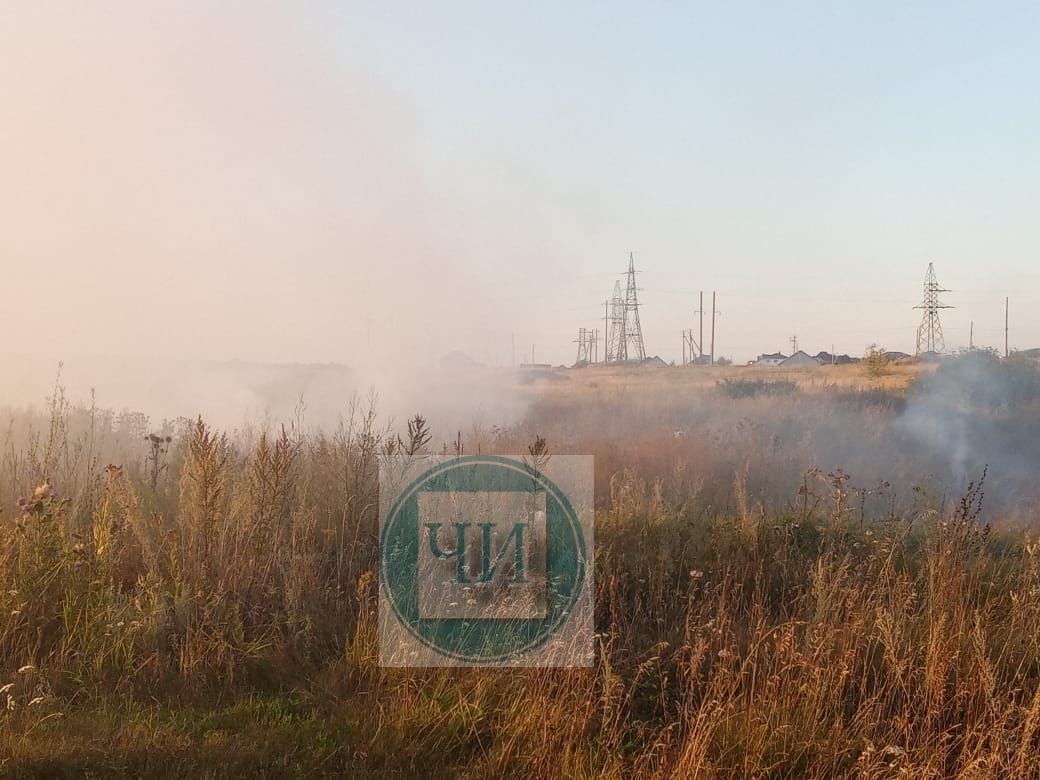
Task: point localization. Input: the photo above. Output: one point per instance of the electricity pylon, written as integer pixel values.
(587, 342)
(929, 332)
(614, 327)
(633, 339)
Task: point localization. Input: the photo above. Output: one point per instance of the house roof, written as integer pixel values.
(801, 355)
(827, 357)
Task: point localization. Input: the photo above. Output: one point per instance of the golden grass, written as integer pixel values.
(595, 380)
(225, 621)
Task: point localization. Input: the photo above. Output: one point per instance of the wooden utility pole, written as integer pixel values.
(700, 341)
(1007, 352)
(713, 327)
(971, 335)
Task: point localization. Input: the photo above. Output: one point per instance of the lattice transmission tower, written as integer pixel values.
(588, 346)
(929, 332)
(614, 327)
(691, 349)
(633, 343)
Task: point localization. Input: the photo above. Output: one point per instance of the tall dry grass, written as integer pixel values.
(222, 615)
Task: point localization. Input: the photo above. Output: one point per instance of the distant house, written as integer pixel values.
(774, 359)
(827, 359)
(799, 358)
(894, 356)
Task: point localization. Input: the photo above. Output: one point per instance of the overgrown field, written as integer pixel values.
(789, 584)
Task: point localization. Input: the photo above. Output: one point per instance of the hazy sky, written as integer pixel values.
(343, 182)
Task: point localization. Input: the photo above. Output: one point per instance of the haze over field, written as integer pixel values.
(377, 185)
(267, 271)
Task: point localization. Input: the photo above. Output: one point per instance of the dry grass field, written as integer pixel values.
(791, 582)
(694, 380)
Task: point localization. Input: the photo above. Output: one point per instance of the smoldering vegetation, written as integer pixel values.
(178, 600)
(235, 394)
(895, 451)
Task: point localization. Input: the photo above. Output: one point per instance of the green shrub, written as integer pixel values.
(754, 388)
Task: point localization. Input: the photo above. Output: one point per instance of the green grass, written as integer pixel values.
(255, 735)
